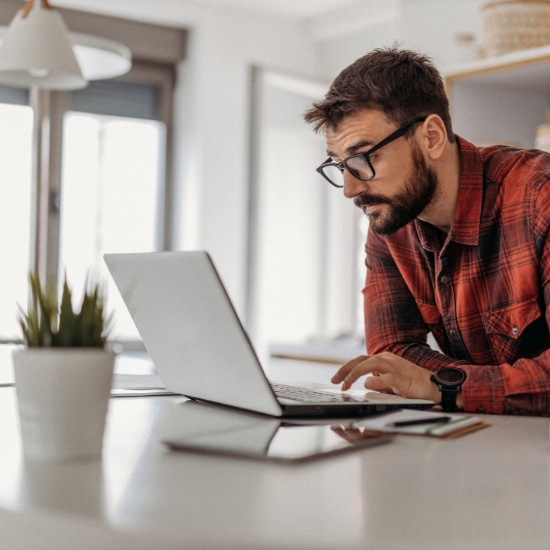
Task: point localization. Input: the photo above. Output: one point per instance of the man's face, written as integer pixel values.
(403, 185)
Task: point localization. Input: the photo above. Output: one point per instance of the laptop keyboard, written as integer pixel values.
(305, 395)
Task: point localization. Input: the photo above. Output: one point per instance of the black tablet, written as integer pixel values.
(280, 442)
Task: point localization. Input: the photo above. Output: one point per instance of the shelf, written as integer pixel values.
(501, 99)
(522, 69)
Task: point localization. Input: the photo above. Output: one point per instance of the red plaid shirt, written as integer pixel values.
(483, 294)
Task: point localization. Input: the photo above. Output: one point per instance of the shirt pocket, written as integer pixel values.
(429, 312)
(511, 321)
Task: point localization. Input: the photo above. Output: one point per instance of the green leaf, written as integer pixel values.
(66, 325)
(45, 323)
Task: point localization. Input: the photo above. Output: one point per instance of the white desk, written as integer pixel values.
(490, 489)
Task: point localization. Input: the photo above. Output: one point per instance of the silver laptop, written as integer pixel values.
(200, 349)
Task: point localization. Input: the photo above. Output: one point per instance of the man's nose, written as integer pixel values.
(353, 186)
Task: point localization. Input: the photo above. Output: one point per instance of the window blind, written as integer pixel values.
(17, 96)
(117, 98)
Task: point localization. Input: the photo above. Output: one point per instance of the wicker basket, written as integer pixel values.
(510, 25)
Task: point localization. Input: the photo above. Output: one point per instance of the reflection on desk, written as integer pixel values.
(198, 427)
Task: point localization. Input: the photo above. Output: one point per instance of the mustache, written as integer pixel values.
(366, 199)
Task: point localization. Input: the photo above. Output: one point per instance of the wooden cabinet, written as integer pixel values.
(502, 99)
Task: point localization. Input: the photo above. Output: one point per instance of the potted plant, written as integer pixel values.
(63, 375)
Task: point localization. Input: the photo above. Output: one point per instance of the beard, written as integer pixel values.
(419, 191)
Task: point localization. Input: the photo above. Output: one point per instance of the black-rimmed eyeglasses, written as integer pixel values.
(359, 165)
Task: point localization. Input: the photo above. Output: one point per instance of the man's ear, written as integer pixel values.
(434, 137)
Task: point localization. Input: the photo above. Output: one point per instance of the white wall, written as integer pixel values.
(473, 105)
(211, 128)
(215, 116)
(427, 26)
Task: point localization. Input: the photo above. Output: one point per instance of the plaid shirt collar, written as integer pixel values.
(465, 229)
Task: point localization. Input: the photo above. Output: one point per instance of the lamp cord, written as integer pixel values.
(29, 5)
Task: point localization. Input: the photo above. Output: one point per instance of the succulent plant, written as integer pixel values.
(48, 323)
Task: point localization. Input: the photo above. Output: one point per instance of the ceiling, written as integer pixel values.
(298, 9)
(291, 8)
(324, 19)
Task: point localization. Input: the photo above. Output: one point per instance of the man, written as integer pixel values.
(457, 243)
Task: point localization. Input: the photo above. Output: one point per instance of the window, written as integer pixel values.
(111, 198)
(112, 184)
(102, 185)
(73, 165)
(15, 208)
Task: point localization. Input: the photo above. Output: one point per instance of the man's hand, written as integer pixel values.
(395, 374)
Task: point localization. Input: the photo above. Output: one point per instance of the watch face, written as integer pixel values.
(451, 376)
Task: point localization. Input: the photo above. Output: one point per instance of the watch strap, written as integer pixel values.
(448, 398)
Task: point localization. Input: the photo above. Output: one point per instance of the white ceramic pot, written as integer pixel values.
(63, 396)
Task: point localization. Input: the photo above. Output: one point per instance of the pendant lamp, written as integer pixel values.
(37, 50)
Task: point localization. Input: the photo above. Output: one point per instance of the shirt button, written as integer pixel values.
(444, 279)
(480, 410)
(515, 331)
(452, 333)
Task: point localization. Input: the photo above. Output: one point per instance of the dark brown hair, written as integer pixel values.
(402, 84)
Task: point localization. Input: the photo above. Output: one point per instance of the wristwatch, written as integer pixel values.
(449, 380)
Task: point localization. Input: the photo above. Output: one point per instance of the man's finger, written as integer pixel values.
(347, 368)
(359, 370)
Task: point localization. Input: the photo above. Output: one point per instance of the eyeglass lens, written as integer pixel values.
(334, 174)
(358, 165)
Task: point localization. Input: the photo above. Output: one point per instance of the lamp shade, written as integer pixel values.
(37, 51)
(100, 58)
